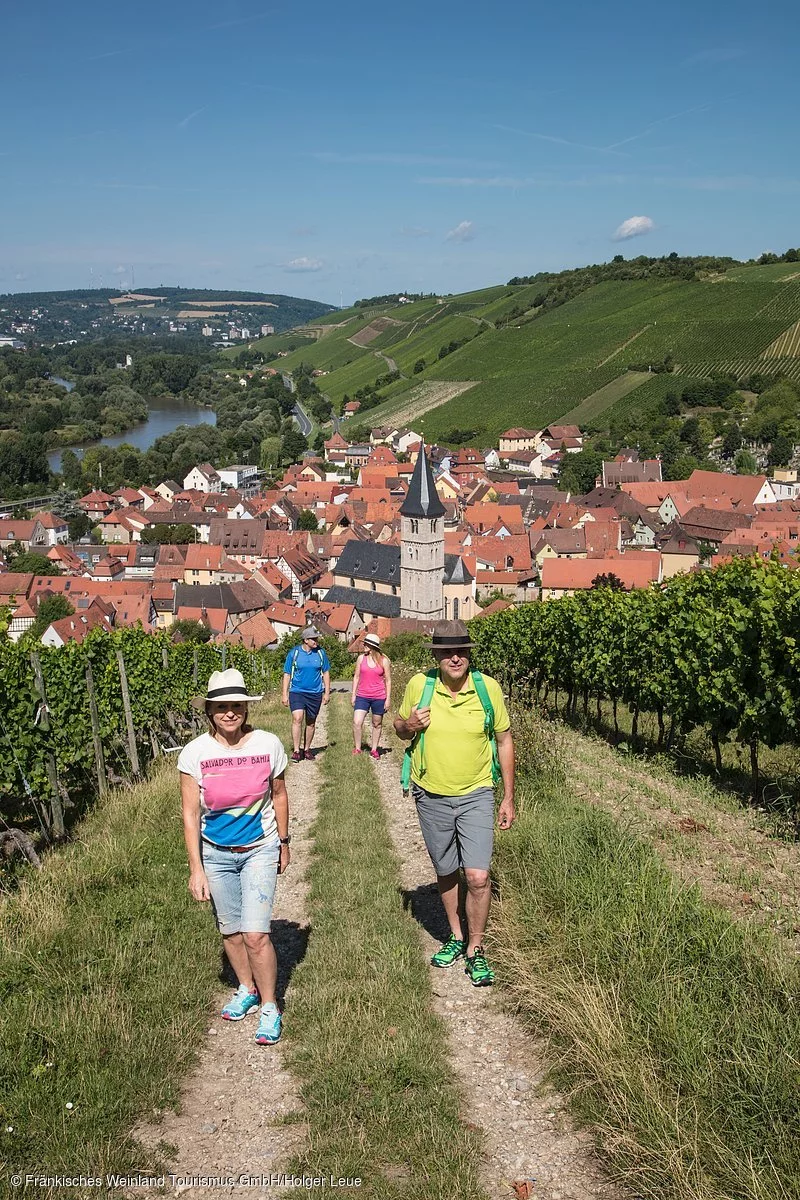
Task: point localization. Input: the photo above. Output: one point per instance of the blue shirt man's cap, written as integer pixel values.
(309, 632)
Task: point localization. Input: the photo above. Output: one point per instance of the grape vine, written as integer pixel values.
(162, 677)
(717, 649)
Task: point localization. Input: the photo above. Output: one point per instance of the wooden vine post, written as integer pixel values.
(133, 751)
(99, 758)
(56, 810)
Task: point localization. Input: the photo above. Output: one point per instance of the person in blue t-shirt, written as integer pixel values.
(306, 687)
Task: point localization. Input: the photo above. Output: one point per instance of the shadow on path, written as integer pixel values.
(291, 943)
(426, 908)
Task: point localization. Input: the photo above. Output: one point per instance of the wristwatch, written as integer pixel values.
(285, 841)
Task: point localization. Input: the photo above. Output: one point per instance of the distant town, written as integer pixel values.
(384, 535)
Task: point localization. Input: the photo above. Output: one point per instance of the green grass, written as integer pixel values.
(587, 412)
(639, 406)
(270, 344)
(769, 272)
(370, 1054)
(107, 972)
(675, 1030)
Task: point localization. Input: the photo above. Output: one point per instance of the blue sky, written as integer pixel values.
(344, 150)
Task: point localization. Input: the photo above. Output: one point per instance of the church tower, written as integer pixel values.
(422, 548)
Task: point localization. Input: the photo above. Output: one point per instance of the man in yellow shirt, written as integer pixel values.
(451, 781)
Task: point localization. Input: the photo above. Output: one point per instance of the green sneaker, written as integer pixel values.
(450, 952)
(479, 971)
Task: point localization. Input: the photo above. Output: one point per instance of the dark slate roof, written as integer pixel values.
(147, 556)
(369, 561)
(455, 569)
(375, 603)
(235, 597)
(422, 499)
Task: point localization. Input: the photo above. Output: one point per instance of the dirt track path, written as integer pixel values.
(240, 1111)
(391, 364)
(528, 1135)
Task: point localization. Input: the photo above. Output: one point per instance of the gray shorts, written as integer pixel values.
(458, 830)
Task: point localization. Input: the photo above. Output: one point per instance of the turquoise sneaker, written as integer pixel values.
(240, 1004)
(269, 1027)
(449, 953)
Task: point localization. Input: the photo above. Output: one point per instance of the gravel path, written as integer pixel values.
(528, 1133)
(240, 1112)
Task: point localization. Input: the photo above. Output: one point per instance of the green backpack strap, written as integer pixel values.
(488, 723)
(423, 702)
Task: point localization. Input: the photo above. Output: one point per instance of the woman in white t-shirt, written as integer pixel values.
(236, 826)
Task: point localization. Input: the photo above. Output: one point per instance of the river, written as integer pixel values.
(166, 414)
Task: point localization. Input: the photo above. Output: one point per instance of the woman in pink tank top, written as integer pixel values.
(372, 692)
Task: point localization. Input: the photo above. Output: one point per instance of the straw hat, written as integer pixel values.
(227, 685)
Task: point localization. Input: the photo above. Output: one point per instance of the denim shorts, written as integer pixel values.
(367, 703)
(242, 884)
(458, 830)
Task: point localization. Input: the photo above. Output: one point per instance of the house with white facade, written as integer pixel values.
(202, 478)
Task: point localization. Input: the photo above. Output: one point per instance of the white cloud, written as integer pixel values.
(304, 264)
(633, 227)
(20, 276)
(120, 270)
(463, 232)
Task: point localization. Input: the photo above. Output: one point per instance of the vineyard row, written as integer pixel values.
(80, 716)
(717, 649)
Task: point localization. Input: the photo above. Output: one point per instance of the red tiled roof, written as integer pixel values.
(286, 614)
(51, 521)
(202, 557)
(495, 607)
(76, 627)
(742, 489)
(16, 583)
(573, 574)
(215, 618)
(340, 616)
(254, 633)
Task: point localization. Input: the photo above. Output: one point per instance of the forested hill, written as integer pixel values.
(88, 314)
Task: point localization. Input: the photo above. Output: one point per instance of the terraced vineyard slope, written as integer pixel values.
(502, 357)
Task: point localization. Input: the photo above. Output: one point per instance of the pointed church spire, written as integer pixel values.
(422, 499)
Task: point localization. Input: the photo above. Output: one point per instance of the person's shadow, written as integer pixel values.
(426, 908)
(290, 941)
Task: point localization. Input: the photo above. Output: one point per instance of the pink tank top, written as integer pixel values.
(371, 680)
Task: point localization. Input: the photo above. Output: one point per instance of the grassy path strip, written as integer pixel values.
(703, 835)
(239, 1111)
(370, 1054)
(677, 1029)
(528, 1134)
(107, 970)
